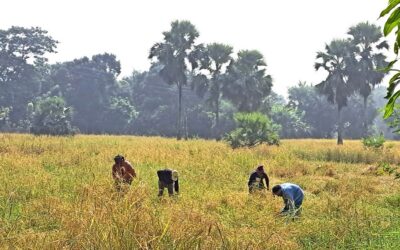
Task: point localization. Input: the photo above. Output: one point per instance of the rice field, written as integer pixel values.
(57, 193)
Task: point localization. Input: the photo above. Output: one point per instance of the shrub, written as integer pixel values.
(374, 141)
(52, 117)
(253, 129)
(291, 121)
(4, 116)
(385, 168)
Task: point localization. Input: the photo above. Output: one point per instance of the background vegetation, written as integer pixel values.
(191, 89)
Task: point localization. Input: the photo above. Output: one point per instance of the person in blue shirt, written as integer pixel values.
(292, 196)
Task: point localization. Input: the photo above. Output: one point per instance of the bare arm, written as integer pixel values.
(251, 179)
(130, 170)
(114, 172)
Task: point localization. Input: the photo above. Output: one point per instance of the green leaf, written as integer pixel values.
(392, 22)
(390, 105)
(392, 85)
(391, 5)
(388, 67)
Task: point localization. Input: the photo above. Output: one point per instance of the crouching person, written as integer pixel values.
(257, 178)
(168, 178)
(122, 172)
(292, 196)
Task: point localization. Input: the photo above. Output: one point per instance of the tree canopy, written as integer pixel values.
(190, 90)
(172, 54)
(247, 83)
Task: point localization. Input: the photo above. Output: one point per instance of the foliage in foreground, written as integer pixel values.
(253, 129)
(392, 23)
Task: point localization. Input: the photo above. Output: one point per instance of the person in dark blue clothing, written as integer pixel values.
(292, 196)
(257, 178)
(168, 178)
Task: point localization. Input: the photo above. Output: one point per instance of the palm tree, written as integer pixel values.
(338, 60)
(214, 60)
(368, 40)
(173, 54)
(247, 83)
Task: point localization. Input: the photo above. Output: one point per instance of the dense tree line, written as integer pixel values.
(352, 65)
(190, 90)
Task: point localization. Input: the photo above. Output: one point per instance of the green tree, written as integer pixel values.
(120, 116)
(52, 117)
(253, 129)
(89, 85)
(215, 60)
(368, 40)
(291, 121)
(247, 84)
(22, 48)
(155, 102)
(172, 57)
(318, 112)
(22, 58)
(337, 60)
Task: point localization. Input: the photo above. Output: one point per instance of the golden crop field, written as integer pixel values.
(57, 193)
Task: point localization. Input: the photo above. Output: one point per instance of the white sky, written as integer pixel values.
(288, 33)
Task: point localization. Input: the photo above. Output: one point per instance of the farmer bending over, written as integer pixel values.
(256, 180)
(168, 178)
(122, 171)
(292, 196)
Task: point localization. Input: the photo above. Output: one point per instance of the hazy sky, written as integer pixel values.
(288, 33)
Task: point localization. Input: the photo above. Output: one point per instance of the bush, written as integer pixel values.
(374, 141)
(291, 121)
(52, 117)
(4, 116)
(253, 129)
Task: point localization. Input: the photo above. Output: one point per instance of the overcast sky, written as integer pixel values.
(288, 33)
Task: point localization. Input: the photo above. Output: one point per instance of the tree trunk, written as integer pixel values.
(340, 127)
(186, 130)
(365, 126)
(179, 132)
(216, 129)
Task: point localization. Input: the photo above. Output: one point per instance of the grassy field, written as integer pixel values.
(57, 193)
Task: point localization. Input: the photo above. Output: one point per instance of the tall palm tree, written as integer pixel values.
(247, 83)
(173, 55)
(338, 60)
(214, 60)
(368, 40)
